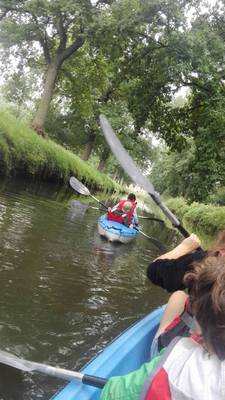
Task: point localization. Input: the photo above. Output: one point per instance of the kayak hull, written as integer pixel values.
(114, 231)
(125, 354)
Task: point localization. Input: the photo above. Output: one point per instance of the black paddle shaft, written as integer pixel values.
(102, 204)
(156, 198)
(94, 381)
(132, 170)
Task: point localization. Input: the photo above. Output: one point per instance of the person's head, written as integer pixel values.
(131, 197)
(207, 300)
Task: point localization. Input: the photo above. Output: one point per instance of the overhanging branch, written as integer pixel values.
(71, 49)
(62, 33)
(3, 14)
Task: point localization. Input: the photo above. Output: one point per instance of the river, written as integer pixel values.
(65, 292)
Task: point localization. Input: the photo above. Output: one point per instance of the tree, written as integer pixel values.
(170, 173)
(49, 33)
(202, 116)
(132, 56)
(84, 86)
(89, 86)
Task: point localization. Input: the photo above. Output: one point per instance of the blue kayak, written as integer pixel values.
(125, 354)
(114, 231)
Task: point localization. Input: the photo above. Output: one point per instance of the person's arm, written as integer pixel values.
(168, 270)
(186, 246)
(113, 208)
(129, 386)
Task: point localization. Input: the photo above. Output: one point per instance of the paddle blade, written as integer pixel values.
(14, 361)
(156, 242)
(135, 174)
(80, 205)
(78, 186)
(31, 366)
(123, 157)
(84, 206)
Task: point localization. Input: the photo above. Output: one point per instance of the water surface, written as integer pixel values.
(65, 292)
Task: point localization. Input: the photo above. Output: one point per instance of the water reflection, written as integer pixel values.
(105, 252)
(76, 212)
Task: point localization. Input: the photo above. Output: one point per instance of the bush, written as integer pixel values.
(218, 197)
(197, 217)
(179, 206)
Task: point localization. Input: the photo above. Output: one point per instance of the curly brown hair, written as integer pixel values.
(207, 299)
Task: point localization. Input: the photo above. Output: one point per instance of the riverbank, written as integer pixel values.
(23, 153)
(204, 219)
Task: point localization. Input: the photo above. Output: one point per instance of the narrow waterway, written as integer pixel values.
(65, 292)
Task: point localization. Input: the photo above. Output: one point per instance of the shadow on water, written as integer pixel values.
(65, 291)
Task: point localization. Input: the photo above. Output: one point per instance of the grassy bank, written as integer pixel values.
(24, 153)
(205, 220)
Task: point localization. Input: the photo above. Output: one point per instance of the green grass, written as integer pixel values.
(205, 220)
(24, 153)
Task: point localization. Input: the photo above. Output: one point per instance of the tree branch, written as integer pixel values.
(62, 33)
(103, 3)
(3, 14)
(71, 49)
(44, 44)
(43, 39)
(196, 84)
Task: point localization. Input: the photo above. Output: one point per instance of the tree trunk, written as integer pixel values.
(45, 100)
(101, 165)
(104, 157)
(88, 147)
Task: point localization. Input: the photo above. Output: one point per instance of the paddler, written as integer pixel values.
(125, 212)
(190, 367)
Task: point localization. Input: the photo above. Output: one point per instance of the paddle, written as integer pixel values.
(30, 366)
(156, 242)
(79, 204)
(151, 218)
(84, 206)
(80, 188)
(132, 170)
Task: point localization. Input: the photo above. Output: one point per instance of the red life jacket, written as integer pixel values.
(120, 213)
(181, 326)
(185, 371)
